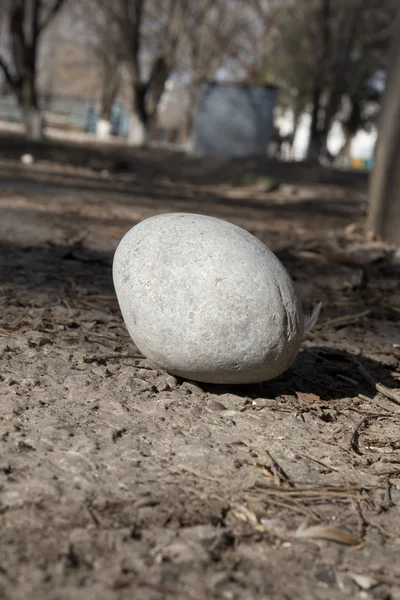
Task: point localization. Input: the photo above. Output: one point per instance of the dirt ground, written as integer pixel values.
(118, 481)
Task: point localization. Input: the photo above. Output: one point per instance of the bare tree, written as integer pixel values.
(284, 46)
(334, 29)
(257, 44)
(147, 36)
(111, 82)
(347, 61)
(24, 23)
(212, 34)
(103, 49)
(384, 193)
(157, 39)
(322, 55)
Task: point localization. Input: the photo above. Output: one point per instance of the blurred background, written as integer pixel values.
(134, 69)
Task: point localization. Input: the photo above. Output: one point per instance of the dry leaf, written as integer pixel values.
(332, 534)
(322, 532)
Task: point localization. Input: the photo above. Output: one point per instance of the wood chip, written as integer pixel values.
(308, 398)
(364, 581)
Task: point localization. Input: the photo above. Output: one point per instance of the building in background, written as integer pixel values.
(234, 119)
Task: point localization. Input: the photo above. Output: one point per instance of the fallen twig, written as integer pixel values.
(323, 464)
(275, 472)
(393, 395)
(345, 320)
(313, 494)
(354, 441)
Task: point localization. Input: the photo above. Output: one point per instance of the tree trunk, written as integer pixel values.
(139, 123)
(314, 144)
(32, 115)
(111, 83)
(345, 151)
(33, 122)
(25, 28)
(146, 98)
(156, 84)
(296, 122)
(194, 92)
(383, 219)
(138, 132)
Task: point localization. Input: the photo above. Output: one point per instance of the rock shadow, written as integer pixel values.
(325, 372)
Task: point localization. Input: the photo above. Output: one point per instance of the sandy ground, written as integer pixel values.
(118, 481)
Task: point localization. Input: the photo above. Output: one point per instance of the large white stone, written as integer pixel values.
(206, 300)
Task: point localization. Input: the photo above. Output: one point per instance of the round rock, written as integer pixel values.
(206, 300)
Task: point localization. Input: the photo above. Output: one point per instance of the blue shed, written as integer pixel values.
(234, 119)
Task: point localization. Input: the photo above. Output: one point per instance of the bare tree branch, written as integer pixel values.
(7, 73)
(54, 9)
(23, 25)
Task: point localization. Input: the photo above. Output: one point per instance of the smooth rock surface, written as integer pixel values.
(206, 300)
